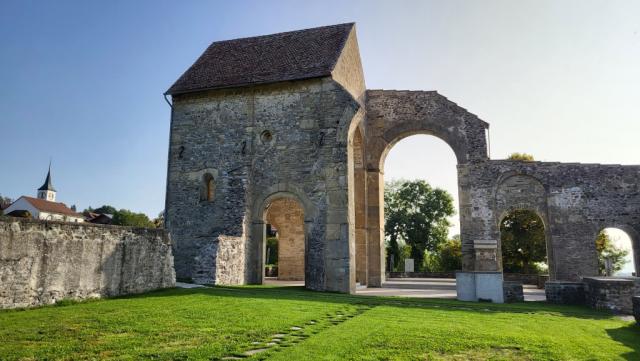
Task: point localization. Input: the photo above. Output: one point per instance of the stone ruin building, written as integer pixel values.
(281, 128)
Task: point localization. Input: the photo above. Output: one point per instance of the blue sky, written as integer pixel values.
(82, 81)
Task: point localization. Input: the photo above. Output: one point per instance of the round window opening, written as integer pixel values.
(266, 137)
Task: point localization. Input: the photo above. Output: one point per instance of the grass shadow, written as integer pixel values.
(628, 336)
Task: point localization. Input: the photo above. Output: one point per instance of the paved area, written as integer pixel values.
(417, 287)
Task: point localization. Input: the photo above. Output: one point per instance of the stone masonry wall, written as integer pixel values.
(288, 218)
(609, 293)
(42, 262)
(288, 138)
(575, 201)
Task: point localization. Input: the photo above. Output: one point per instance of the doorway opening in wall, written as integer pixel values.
(284, 243)
(616, 248)
(421, 225)
(523, 244)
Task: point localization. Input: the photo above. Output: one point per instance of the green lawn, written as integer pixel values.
(214, 323)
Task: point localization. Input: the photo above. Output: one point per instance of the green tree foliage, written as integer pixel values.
(416, 214)
(448, 258)
(523, 242)
(125, 217)
(606, 248)
(521, 157)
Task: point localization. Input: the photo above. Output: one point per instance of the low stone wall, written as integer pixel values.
(421, 275)
(513, 291)
(42, 262)
(636, 308)
(606, 293)
(565, 293)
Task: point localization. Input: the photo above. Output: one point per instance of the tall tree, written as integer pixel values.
(607, 249)
(417, 214)
(523, 241)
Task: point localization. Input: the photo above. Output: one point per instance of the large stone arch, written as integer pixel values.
(392, 116)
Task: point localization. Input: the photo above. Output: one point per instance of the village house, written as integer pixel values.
(44, 207)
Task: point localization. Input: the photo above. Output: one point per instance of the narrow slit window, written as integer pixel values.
(209, 188)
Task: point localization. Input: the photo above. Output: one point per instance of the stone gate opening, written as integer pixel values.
(523, 246)
(284, 231)
(422, 157)
(618, 239)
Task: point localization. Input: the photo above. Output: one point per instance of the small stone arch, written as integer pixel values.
(518, 191)
(255, 245)
(634, 237)
(283, 190)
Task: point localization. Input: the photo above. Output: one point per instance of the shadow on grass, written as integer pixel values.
(301, 294)
(628, 336)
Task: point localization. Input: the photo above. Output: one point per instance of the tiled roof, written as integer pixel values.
(51, 207)
(293, 55)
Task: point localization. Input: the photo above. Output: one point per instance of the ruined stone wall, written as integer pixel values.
(257, 142)
(575, 201)
(288, 218)
(42, 262)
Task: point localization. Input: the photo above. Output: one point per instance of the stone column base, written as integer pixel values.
(479, 286)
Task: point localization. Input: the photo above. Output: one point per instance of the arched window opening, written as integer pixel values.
(208, 188)
(615, 253)
(284, 243)
(523, 243)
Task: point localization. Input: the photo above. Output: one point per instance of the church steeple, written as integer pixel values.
(47, 192)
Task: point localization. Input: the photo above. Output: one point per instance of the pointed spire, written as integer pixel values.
(47, 186)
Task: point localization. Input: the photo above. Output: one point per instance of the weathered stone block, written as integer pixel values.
(565, 293)
(513, 292)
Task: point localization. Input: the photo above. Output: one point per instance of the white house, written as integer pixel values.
(45, 206)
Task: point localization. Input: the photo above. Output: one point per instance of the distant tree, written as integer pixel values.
(105, 209)
(606, 249)
(4, 203)
(158, 222)
(523, 242)
(447, 258)
(416, 214)
(125, 217)
(521, 157)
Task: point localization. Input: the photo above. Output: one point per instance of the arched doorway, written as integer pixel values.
(284, 212)
(523, 243)
(617, 249)
(412, 160)
(284, 240)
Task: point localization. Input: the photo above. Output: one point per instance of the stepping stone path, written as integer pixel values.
(297, 334)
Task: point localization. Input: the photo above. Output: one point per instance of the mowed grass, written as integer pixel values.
(213, 323)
